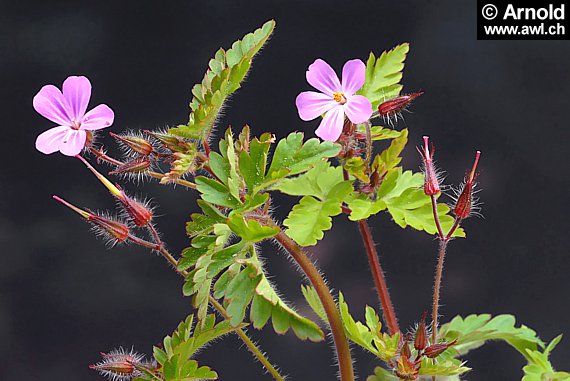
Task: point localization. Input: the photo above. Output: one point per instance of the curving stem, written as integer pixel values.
(328, 302)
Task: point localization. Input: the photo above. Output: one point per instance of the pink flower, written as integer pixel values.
(335, 99)
(67, 109)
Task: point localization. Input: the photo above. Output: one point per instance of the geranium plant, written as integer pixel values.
(351, 168)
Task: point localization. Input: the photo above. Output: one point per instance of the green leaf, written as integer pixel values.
(474, 330)
(381, 374)
(310, 218)
(318, 182)
(253, 163)
(292, 157)
(251, 230)
(216, 192)
(383, 75)
(390, 157)
(248, 284)
(369, 336)
(314, 301)
(184, 342)
(381, 133)
(448, 367)
(224, 76)
(401, 194)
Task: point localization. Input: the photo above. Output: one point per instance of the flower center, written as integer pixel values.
(75, 124)
(340, 98)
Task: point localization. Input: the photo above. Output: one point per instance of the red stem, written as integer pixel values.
(379, 280)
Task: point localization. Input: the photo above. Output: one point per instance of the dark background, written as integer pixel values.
(64, 297)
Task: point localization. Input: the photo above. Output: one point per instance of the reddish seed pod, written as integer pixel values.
(139, 165)
(464, 204)
(170, 142)
(431, 182)
(420, 341)
(135, 143)
(435, 350)
(405, 351)
(116, 230)
(396, 105)
(138, 213)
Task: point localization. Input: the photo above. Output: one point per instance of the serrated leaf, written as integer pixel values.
(251, 230)
(381, 132)
(312, 298)
(383, 75)
(390, 157)
(216, 192)
(401, 194)
(451, 367)
(472, 332)
(292, 157)
(310, 218)
(381, 374)
(225, 73)
(253, 162)
(316, 182)
(369, 336)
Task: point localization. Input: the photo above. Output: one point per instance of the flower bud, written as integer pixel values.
(108, 227)
(464, 203)
(420, 341)
(136, 166)
(431, 182)
(120, 365)
(134, 143)
(435, 350)
(396, 105)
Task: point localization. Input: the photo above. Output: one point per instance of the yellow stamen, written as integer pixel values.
(339, 97)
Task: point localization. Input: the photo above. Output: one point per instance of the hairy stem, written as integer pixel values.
(437, 287)
(436, 216)
(378, 275)
(328, 302)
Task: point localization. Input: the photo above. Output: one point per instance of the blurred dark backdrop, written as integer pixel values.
(64, 297)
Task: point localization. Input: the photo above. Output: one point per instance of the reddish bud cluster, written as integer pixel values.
(407, 366)
(135, 166)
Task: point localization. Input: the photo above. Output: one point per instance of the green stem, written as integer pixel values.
(329, 304)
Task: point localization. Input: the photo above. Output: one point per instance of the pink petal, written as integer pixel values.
(99, 117)
(73, 142)
(358, 109)
(311, 104)
(322, 77)
(50, 103)
(353, 74)
(50, 140)
(331, 125)
(77, 92)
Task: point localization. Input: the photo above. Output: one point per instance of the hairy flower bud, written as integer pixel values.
(420, 341)
(395, 106)
(134, 143)
(464, 204)
(136, 166)
(115, 231)
(435, 350)
(431, 182)
(120, 365)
